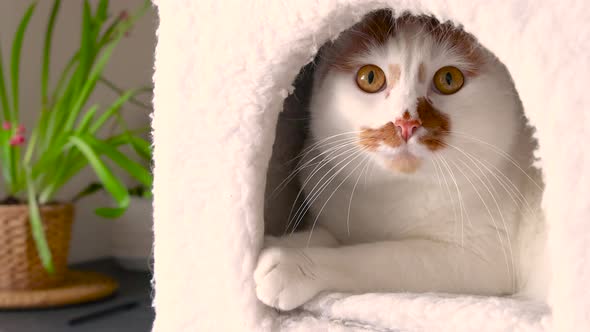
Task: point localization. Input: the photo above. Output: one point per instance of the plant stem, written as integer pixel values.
(121, 91)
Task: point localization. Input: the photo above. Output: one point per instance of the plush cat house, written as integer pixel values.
(223, 71)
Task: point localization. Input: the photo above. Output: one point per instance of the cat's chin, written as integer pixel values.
(403, 162)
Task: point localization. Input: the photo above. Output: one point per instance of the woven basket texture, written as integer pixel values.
(20, 266)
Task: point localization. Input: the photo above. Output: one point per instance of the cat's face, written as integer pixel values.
(412, 93)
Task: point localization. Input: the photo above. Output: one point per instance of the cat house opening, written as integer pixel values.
(282, 185)
(432, 124)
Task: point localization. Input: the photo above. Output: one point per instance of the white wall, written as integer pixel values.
(131, 66)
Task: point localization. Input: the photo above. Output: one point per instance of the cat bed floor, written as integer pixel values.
(413, 312)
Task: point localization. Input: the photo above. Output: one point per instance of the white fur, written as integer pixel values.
(451, 226)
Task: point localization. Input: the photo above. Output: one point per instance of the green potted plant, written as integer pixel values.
(69, 135)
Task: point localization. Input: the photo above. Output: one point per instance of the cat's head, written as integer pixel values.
(413, 93)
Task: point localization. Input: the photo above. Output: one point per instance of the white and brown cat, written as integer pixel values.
(417, 176)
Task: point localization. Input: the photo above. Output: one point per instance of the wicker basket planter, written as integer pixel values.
(20, 266)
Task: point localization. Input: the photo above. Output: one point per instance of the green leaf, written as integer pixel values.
(86, 40)
(13, 152)
(110, 212)
(37, 226)
(47, 51)
(137, 191)
(88, 87)
(56, 156)
(133, 100)
(134, 169)
(5, 102)
(65, 110)
(74, 102)
(141, 147)
(107, 36)
(49, 159)
(6, 164)
(53, 181)
(111, 111)
(101, 11)
(89, 190)
(15, 61)
(112, 185)
(87, 119)
(140, 191)
(75, 163)
(63, 77)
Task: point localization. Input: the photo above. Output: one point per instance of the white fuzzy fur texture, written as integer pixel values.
(223, 69)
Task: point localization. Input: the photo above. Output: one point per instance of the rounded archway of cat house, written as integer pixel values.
(286, 206)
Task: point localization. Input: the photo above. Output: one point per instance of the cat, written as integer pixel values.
(417, 175)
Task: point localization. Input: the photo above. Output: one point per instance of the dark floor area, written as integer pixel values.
(128, 310)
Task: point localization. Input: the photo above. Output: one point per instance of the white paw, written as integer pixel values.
(285, 278)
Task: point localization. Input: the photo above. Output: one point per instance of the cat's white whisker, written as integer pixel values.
(493, 193)
(325, 154)
(326, 140)
(315, 193)
(344, 143)
(331, 195)
(462, 208)
(366, 161)
(325, 147)
(436, 166)
(514, 188)
(509, 270)
(500, 152)
(315, 171)
(448, 188)
(502, 184)
(513, 191)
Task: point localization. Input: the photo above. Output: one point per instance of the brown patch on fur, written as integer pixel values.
(437, 124)
(370, 139)
(394, 74)
(434, 121)
(377, 27)
(421, 73)
(374, 30)
(463, 43)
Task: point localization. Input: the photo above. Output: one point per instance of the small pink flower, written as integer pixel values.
(6, 125)
(21, 129)
(17, 140)
(124, 15)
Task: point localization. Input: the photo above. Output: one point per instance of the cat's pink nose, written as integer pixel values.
(407, 127)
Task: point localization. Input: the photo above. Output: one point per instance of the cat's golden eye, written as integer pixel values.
(370, 78)
(448, 80)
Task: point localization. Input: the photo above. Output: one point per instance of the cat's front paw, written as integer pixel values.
(285, 278)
